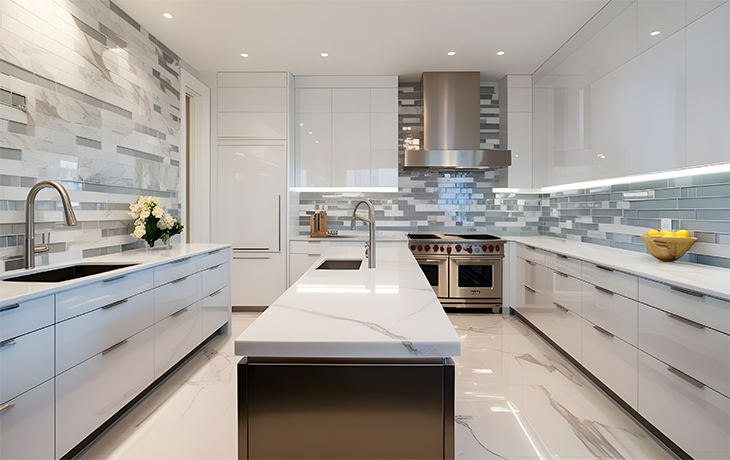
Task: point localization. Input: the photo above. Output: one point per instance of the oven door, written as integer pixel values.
(436, 269)
(475, 278)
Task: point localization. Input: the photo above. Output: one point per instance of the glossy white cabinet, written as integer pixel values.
(384, 100)
(315, 148)
(175, 295)
(350, 149)
(215, 310)
(351, 100)
(564, 264)
(563, 327)
(176, 269)
(383, 149)
(27, 425)
(566, 291)
(257, 100)
(88, 394)
(611, 311)
(258, 278)
(176, 336)
(17, 318)
(615, 281)
(313, 100)
(300, 263)
(239, 125)
(25, 362)
(251, 79)
(694, 416)
(214, 279)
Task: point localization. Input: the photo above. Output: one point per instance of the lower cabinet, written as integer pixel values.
(692, 415)
(25, 362)
(93, 391)
(564, 328)
(215, 310)
(258, 279)
(26, 424)
(176, 336)
(300, 263)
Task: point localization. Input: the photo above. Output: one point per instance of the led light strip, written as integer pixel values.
(346, 189)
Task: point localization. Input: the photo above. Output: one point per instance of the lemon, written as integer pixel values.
(682, 234)
(665, 233)
(652, 232)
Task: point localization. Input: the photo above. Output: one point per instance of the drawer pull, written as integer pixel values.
(184, 259)
(7, 343)
(531, 262)
(686, 321)
(112, 305)
(250, 249)
(686, 291)
(215, 267)
(252, 258)
(314, 255)
(114, 347)
(216, 292)
(7, 407)
(530, 289)
(685, 377)
(561, 308)
(531, 248)
(116, 278)
(604, 290)
(215, 252)
(563, 274)
(601, 267)
(179, 312)
(180, 280)
(9, 307)
(560, 256)
(602, 331)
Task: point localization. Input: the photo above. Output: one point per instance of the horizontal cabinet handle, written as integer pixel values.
(601, 267)
(216, 292)
(434, 260)
(215, 252)
(7, 343)
(114, 347)
(531, 262)
(604, 290)
(561, 308)
(184, 259)
(530, 289)
(179, 312)
(252, 258)
(314, 255)
(116, 278)
(7, 407)
(686, 321)
(215, 266)
(9, 307)
(112, 305)
(250, 249)
(561, 256)
(179, 280)
(685, 377)
(533, 248)
(602, 331)
(562, 274)
(686, 291)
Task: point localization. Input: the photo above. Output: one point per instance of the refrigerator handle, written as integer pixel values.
(279, 223)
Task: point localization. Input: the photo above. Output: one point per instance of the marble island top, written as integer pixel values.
(387, 312)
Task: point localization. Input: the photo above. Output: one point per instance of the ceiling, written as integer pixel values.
(364, 37)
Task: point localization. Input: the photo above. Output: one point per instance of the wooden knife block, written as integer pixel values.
(318, 224)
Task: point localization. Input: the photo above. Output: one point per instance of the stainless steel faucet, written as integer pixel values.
(29, 249)
(370, 244)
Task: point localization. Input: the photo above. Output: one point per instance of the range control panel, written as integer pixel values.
(460, 248)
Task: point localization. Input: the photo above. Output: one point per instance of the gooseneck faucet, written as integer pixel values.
(370, 244)
(68, 214)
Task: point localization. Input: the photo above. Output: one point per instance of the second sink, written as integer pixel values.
(340, 264)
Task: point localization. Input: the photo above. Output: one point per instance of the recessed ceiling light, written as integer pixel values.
(656, 32)
(301, 124)
(451, 53)
(310, 132)
(500, 53)
(167, 15)
(244, 55)
(324, 54)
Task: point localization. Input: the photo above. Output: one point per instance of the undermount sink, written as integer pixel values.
(73, 272)
(340, 264)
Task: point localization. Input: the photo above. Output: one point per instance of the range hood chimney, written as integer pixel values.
(451, 126)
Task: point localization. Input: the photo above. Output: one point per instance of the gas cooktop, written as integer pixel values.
(464, 244)
(452, 237)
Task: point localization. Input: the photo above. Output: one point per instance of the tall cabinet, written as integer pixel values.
(253, 138)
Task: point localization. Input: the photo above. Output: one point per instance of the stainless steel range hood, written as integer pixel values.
(451, 126)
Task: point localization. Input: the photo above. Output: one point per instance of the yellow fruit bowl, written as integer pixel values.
(667, 248)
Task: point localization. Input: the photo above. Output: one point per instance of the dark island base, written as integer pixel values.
(345, 408)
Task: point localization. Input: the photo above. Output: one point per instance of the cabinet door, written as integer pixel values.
(25, 362)
(384, 149)
(26, 425)
(313, 100)
(351, 149)
(315, 149)
(257, 279)
(22, 317)
(350, 100)
(300, 263)
(176, 336)
(216, 310)
(251, 187)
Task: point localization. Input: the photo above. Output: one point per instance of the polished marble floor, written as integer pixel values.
(516, 398)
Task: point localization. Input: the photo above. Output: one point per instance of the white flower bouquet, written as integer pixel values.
(153, 222)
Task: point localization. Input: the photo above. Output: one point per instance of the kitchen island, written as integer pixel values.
(350, 364)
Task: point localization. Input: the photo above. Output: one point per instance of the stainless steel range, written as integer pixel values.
(465, 270)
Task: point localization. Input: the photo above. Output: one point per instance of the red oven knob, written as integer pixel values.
(469, 250)
(420, 248)
(491, 248)
(413, 247)
(484, 248)
(458, 248)
(496, 248)
(435, 248)
(448, 249)
(428, 247)
(442, 249)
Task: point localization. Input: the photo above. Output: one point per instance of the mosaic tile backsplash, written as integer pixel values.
(90, 99)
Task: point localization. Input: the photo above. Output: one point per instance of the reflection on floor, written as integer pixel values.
(516, 398)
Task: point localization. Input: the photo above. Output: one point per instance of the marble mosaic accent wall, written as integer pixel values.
(91, 99)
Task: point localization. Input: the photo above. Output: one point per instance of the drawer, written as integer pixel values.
(696, 350)
(563, 264)
(563, 327)
(176, 336)
(26, 425)
(612, 360)
(89, 297)
(615, 313)
(308, 247)
(692, 305)
(88, 394)
(215, 311)
(175, 295)
(25, 362)
(215, 278)
(535, 276)
(621, 283)
(176, 269)
(259, 279)
(533, 305)
(531, 253)
(82, 337)
(215, 257)
(566, 291)
(695, 417)
(19, 318)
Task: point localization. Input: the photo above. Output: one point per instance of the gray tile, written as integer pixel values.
(717, 203)
(90, 31)
(8, 153)
(139, 154)
(113, 37)
(44, 82)
(668, 214)
(124, 16)
(714, 190)
(19, 101)
(657, 204)
(6, 97)
(705, 237)
(713, 261)
(668, 193)
(90, 253)
(27, 181)
(15, 71)
(717, 178)
(648, 185)
(706, 226)
(88, 142)
(713, 214)
(9, 181)
(723, 238)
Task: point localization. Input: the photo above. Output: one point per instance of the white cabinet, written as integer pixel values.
(27, 425)
(613, 312)
(25, 362)
(18, 318)
(175, 295)
(215, 309)
(350, 149)
(257, 278)
(300, 263)
(252, 105)
(515, 94)
(315, 148)
(176, 336)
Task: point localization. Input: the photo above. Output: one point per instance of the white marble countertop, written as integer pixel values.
(387, 312)
(15, 291)
(709, 280)
(380, 236)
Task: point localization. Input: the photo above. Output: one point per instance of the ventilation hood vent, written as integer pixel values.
(451, 126)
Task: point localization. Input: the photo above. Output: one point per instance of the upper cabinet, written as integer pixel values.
(252, 105)
(347, 131)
